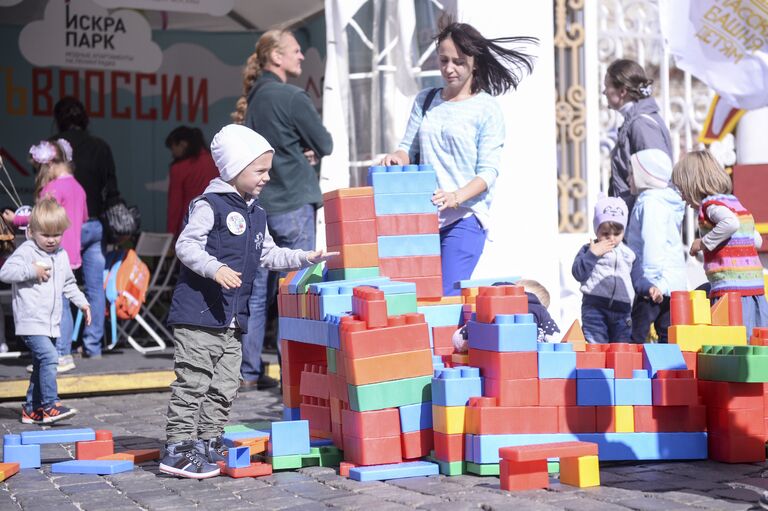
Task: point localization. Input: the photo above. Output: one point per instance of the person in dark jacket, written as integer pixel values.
(286, 117)
(95, 171)
(629, 90)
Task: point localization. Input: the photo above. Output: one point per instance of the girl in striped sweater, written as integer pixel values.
(728, 237)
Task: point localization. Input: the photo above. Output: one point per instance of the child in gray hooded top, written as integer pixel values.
(224, 239)
(605, 267)
(39, 273)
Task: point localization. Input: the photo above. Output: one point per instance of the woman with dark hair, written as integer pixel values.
(95, 171)
(629, 90)
(459, 130)
(191, 171)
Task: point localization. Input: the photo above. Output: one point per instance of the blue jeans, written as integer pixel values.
(461, 245)
(646, 313)
(294, 229)
(42, 389)
(93, 275)
(602, 325)
(64, 342)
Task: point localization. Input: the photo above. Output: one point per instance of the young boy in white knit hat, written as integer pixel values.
(605, 267)
(224, 240)
(654, 235)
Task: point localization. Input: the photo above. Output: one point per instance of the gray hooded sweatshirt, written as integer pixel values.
(190, 247)
(643, 128)
(37, 305)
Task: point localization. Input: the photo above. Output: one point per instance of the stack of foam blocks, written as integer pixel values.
(407, 226)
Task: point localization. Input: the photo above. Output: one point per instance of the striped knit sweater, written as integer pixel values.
(734, 265)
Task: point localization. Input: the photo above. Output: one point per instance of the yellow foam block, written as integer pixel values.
(448, 419)
(624, 418)
(581, 472)
(701, 313)
(443, 300)
(693, 337)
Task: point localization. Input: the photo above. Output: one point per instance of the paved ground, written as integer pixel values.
(137, 422)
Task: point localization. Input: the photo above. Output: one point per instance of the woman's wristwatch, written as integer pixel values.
(456, 199)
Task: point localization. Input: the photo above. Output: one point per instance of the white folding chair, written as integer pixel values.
(153, 245)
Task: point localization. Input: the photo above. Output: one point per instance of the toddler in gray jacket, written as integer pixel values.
(605, 268)
(39, 273)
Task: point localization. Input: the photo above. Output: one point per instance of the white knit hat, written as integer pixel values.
(234, 147)
(651, 168)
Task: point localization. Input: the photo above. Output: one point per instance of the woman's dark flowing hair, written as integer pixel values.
(192, 136)
(497, 69)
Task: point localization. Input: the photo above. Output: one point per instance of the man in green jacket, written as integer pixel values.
(286, 117)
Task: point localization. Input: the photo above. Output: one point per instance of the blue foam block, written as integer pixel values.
(308, 331)
(503, 336)
(320, 442)
(289, 437)
(595, 392)
(662, 356)
(101, 467)
(396, 288)
(409, 245)
(291, 414)
(394, 471)
(57, 436)
(635, 391)
(402, 182)
(27, 456)
(239, 457)
(454, 387)
(403, 203)
(557, 364)
(595, 374)
(416, 417)
(611, 446)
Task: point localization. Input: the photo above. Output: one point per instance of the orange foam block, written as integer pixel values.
(417, 444)
(360, 255)
(426, 287)
(548, 450)
(394, 366)
(103, 445)
(7, 470)
(371, 424)
(516, 476)
(506, 365)
(257, 445)
(350, 232)
(412, 266)
(340, 208)
(575, 336)
(493, 300)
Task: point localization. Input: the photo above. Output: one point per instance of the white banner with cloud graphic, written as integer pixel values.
(212, 7)
(81, 34)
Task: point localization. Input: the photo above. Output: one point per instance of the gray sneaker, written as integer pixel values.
(184, 459)
(213, 449)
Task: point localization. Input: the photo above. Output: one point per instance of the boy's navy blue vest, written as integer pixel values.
(198, 301)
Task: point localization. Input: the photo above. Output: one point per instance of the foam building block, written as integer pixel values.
(416, 417)
(409, 245)
(101, 467)
(634, 391)
(239, 457)
(256, 469)
(103, 445)
(662, 356)
(57, 436)
(27, 456)
(581, 472)
(7, 470)
(289, 437)
(402, 179)
(510, 332)
(595, 387)
(390, 394)
(394, 471)
(556, 360)
(454, 387)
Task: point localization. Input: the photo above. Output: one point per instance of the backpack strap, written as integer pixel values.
(428, 100)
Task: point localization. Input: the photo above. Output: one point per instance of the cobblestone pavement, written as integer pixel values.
(137, 422)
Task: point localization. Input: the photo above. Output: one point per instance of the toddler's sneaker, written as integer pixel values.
(30, 416)
(66, 363)
(213, 449)
(56, 412)
(184, 459)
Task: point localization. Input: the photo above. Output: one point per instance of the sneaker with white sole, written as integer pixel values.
(184, 459)
(66, 363)
(56, 412)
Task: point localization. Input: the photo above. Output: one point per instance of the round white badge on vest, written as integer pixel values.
(236, 223)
